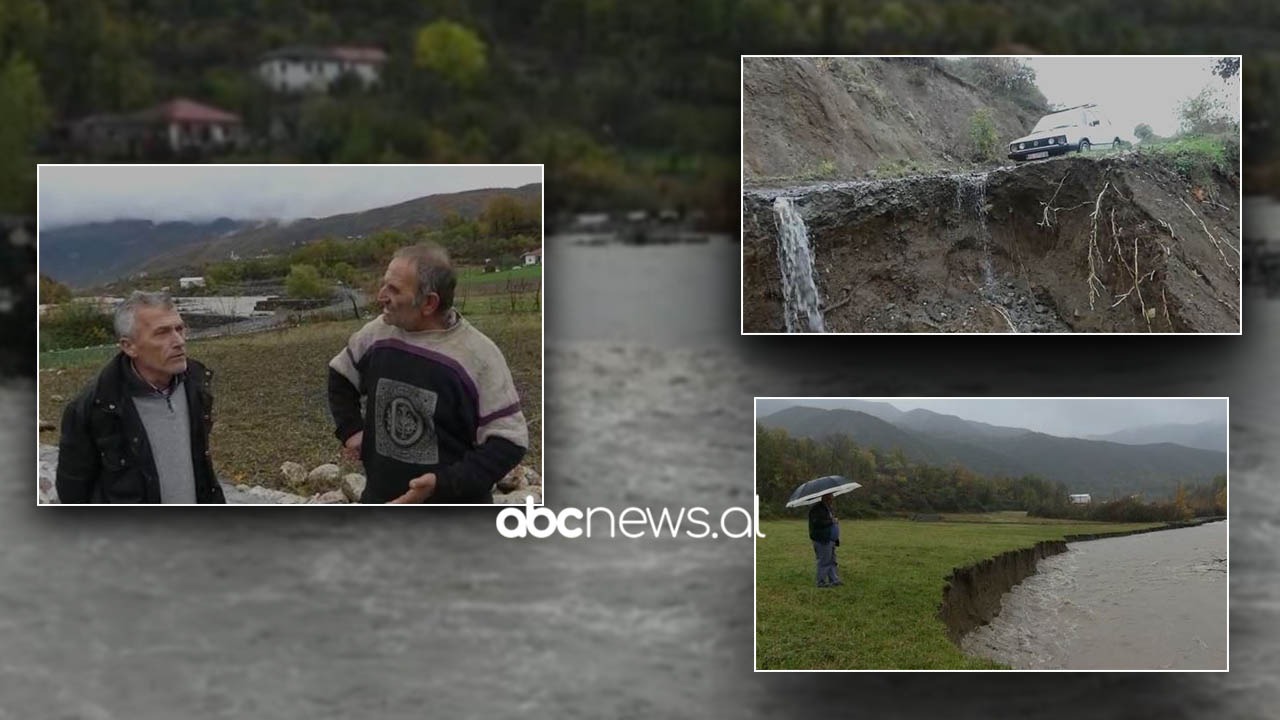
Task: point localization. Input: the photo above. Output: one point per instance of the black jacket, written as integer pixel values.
(104, 455)
(820, 522)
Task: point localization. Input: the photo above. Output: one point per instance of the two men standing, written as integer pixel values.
(442, 420)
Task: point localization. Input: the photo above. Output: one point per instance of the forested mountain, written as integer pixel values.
(1083, 466)
(1206, 436)
(95, 253)
(628, 104)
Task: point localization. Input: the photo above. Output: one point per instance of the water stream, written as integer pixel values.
(971, 192)
(1145, 602)
(802, 309)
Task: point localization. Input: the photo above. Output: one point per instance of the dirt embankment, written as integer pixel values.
(972, 595)
(846, 116)
(1120, 243)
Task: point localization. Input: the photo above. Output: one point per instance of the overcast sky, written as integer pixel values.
(1072, 417)
(1133, 90)
(72, 194)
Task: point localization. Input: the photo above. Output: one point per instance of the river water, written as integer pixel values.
(392, 613)
(1156, 601)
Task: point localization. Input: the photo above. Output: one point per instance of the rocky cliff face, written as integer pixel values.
(849, 116)
(972, 594)
(1119, 243)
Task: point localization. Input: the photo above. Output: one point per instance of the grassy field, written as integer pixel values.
(471, 274)
(885, 614)
(270, 392)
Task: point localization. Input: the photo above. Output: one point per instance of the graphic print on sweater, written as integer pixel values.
(406, 427)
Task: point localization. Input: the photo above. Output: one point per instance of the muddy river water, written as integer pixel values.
(1143, 602)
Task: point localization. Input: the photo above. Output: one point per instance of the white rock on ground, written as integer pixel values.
(353, 486)
(48, 492)
(294, 474)
(517, 497)
(325, 474)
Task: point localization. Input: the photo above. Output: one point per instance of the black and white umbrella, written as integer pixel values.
(812, 491)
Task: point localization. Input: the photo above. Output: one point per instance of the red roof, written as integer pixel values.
(358, 54)
(537, 252)
(184, 110)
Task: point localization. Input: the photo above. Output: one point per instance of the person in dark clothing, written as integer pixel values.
(139, 432)
(442, 420)
(824, 531)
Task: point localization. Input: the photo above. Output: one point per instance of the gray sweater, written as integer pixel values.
(167, 421)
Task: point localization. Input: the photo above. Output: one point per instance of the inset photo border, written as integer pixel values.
(910, 194)
(954, 534)
(290, 335)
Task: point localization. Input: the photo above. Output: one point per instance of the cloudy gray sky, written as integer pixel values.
(1133, 90)
(1070, 417)
(70, 194)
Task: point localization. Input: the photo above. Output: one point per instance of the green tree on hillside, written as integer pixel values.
(52, 291)
(451, 51)
(982, 136)
(23, 117)
(304, 282)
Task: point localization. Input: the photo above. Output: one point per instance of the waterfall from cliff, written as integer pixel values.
(971, 192)
(801, 307)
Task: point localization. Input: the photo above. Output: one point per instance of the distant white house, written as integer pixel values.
(533, 257)
(190, 282)
(305, 68)
(1081, 499)
(591, 220)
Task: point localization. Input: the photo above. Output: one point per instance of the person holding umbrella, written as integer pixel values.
(824, 528)
(824, 531)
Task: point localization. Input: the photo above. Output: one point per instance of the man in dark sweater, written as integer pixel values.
(139, 432)
(824, 531)
(442, 420)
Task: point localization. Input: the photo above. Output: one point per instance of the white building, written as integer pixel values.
(190, 282)
(1081, 499)
(533, 257)
(303, 68)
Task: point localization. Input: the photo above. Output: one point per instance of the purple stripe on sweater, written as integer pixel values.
(454, 365)
(511, 409)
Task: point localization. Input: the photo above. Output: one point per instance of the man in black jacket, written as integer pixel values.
(824, 532)
(139, 432)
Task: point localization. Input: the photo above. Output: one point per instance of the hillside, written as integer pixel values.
(1091, 466)
(1206, 436)
(427, 212)
(849, 116)
(97, 253)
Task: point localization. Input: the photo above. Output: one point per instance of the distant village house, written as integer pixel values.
(190, 282)
(533, 257)
(1080, 499)
(175, 127)
(305, 68)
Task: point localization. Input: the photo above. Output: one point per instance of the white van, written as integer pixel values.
(1077, 128)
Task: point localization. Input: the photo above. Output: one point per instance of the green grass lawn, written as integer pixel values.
(473, 275)
(270, 392)
(885, 614)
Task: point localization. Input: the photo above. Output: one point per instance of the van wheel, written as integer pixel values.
(1084, 146)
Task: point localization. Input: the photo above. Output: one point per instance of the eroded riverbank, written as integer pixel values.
(1158, 602)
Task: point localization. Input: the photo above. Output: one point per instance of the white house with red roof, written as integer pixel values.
(176, 126)
(302, 68)
(533, 257)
